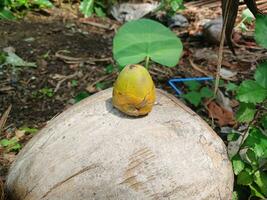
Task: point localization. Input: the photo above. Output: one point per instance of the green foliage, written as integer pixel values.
(74, 83)
(80, 96)
(110, 69)
(246, 112)
(250, 162)
(252, 92)
(43, 93)
(89, 7)
(247, 17)
(261, 30)
(261, 75)
(196, 93)
(146, 39)
(8, 7)
(171, 6)
(29, 130)
(10, 144)
(231, 87)
(46, 92)
(249, 166)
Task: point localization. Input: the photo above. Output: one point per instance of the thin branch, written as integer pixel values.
(220, 53)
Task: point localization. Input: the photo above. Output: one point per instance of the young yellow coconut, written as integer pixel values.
(134, 91)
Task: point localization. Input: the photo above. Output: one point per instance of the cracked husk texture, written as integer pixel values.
(92, 151)
(134, 91)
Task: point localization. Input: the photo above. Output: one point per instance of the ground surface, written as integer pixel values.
(72, 56)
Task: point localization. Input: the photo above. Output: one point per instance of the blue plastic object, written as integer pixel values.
(177, 80)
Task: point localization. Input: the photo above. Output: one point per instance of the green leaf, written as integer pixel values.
(193, 85)
(29, 130)
(206, 92)
(257, 141)
(43, 3)
(235, 196)
(14, 147)
(261, 30)
(247, 16)
(4, 142)
(193, 97)
(255, 191)
(109, 69)
(81, 96)
(261, 74)
(243, 27)
(246, 112)
(99, 12)
(238, 164)
(74, 83)
(232, 136)
(143, 38)
(244, 178)
(264, 122)
(252, 157)
(260, 179)
(6, 14)
(2, 58)
(251, 92)
(100, 85)
(176, 4)
(87, 7)
(11, 144)
(231, 87)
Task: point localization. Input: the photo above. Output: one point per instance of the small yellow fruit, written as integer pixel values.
(134, 91)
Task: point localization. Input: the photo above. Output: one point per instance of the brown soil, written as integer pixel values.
(20, 85)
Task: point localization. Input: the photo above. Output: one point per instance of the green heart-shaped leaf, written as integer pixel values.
(143, 38)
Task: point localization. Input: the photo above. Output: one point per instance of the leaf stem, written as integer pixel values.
(147, 62)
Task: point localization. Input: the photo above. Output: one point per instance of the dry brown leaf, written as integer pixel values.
(221, 115)
(10, 157)
(20, 134)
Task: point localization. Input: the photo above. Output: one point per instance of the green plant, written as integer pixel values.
(80, 96)
(250, 163)
(74, 83)
(29, 130)
(89, 7)
(250, 160)
(11, 144)
(196, 93)
(171, 6)
(9, 7)
(47, 92)
(252, 93)
(147, 40)
(247, 17)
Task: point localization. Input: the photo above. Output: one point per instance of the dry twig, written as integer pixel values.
(64, 79)
(196, 67)
(4, 118)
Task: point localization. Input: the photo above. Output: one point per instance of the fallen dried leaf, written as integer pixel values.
(220, 114)
(10, 157)
(20, 134)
